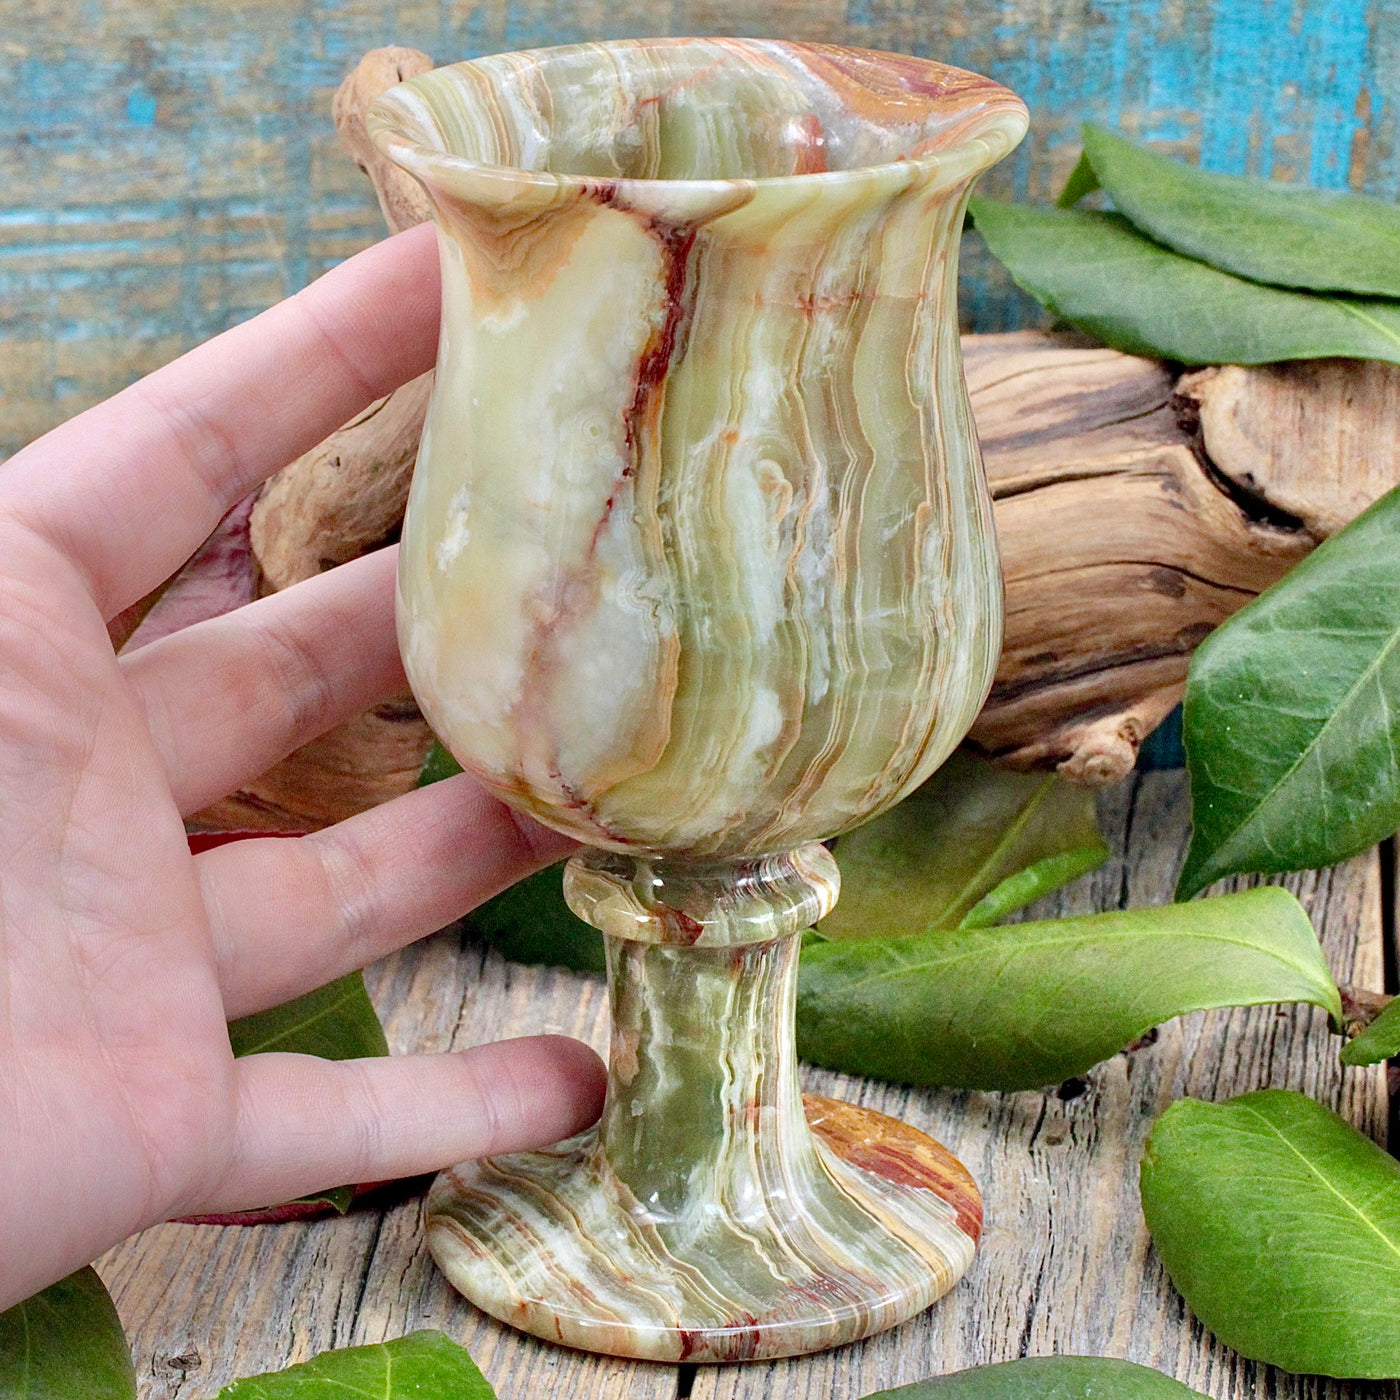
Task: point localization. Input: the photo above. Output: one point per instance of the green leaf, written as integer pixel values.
(1098, 272)
(1024, 1005)
(1379, 1041)
(531, 923)
(335, 1022)
(438, 765)
(338, 1198)
(1048, 1378)
(1034, 882)
(965, 849)
(1280, 1225)
(1326, 240)
(1292, 714)
(1082, 181)
(421, 1366)
(65, 1343)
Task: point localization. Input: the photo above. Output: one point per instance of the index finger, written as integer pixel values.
(128, 490)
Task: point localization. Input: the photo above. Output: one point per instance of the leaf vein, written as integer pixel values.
(1221, 859)
(1312, 1168)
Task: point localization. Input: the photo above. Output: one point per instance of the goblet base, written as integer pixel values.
(878, 1223)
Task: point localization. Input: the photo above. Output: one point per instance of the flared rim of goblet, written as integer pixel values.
(985, 120)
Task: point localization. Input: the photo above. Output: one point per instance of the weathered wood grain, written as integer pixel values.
(1122, 545)
(347, 495)
(1065, 1263)
(1120, 549)
(167, 167)
(1311, 439)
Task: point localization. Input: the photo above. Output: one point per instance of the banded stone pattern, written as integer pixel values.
(712, 905)
(703, 1220)
(698, 556)
(699, 567)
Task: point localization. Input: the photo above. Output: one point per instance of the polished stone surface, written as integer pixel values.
(699, 568)
(707, 1218)
(624, 1288)
(698, 557)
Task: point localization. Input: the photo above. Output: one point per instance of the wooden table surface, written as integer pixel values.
(1065, 1263)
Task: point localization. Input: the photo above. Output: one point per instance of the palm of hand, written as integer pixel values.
(115, 1017)
(121, 955)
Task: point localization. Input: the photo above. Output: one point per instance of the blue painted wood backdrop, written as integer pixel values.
(168, 169)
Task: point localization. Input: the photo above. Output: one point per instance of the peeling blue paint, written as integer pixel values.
(141, 107)
(229, 102)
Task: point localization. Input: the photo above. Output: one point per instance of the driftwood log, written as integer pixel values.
(340, 500)
(346, 496)
(1136, 508)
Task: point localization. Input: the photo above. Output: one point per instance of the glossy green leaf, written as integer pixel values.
(1098, 272)
(967, 848)
(531, 923)
(338, 1198)
(1024, 1005)
(439, 764)
(421, 1366)
(335, 1022)
(1326, 240)
(1280, 1225)
(1378, 1041)
(1048, 1378)
(65, 1343)
(1292, 714)
(1082, 181)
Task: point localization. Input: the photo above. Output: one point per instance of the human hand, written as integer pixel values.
(121, 955)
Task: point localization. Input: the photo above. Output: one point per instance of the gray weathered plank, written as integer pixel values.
(1065, 1263)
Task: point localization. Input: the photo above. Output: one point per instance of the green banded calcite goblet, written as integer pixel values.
(699, 568)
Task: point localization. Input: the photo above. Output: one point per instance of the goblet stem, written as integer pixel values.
(704, 1110)
(711, 1215)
